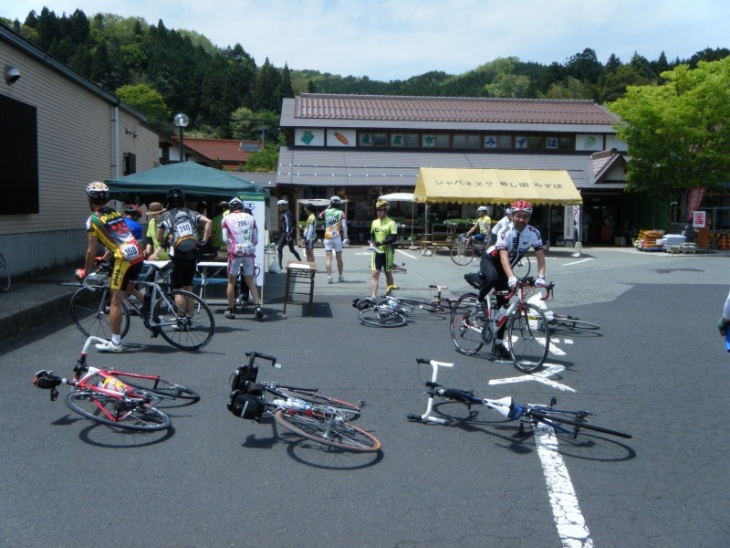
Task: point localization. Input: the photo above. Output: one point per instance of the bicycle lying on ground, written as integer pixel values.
(303, 411)
(189, 329)
(526, 327)
(560, 420)
(466, 249)
(393, 311)
(116, 398)
(4, 274)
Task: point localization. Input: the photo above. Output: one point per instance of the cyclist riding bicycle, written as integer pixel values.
(483, 224)
(495, 267)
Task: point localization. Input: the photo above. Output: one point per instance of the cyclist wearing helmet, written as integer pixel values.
(106, 226)
(335, 235)
(287, 231)
(180, 224)
(483, 224)
(495, 268)
(383, 234)
(503, 222)
(132, 213)
(240, 231)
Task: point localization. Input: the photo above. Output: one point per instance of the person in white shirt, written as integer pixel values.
(241, 234)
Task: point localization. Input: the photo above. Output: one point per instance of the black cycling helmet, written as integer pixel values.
(97, 192)
(133, 211)
(175, 197)
(235, 204)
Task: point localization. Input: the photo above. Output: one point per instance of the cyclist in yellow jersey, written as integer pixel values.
(483, 224)
(107, 226)
(383, 234)
(310, 232)
(335, 236)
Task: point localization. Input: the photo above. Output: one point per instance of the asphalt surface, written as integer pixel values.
(657, 369)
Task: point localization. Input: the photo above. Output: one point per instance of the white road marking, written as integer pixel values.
(407, 254)
(569, 520)
(540, 376)
(578, 262)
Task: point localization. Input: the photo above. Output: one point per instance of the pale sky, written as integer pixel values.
(397, 39)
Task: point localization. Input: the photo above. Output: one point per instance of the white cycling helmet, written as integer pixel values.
(482, 208)
(335, 201)
(282, 203)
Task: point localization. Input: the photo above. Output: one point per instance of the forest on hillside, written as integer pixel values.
(226, 94)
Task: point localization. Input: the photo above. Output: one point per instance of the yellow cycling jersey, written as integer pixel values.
(111, 230)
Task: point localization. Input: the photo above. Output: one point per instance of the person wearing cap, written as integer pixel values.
(335, 235)
(287, 231)
(152, 243)
(495, 267)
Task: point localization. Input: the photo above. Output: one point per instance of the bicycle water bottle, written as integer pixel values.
(727, 339)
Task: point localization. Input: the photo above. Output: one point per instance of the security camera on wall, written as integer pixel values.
(12, 74)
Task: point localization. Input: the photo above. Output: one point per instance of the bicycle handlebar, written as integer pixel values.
(268, 357)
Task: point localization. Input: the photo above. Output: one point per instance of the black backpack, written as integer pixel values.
(246, 400)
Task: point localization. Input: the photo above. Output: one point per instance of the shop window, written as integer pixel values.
(435, 140)
(466, 141)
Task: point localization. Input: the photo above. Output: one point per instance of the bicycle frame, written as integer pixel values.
(507, 407)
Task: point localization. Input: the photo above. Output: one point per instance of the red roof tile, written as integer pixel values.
(313, 106)
(226, 151)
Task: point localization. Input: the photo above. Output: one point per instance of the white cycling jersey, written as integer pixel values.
(517, 243)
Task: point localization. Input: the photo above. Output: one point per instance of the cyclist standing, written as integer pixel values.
(483, 224)
(383, 234)
(499, 225)
(310, 232)
(495, 268)
(106, 226)
(335, 235)
(240, 231)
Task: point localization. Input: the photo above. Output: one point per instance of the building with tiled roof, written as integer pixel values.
(361, 146)
(229, 154)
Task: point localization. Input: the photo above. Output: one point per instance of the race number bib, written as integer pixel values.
(130, 252)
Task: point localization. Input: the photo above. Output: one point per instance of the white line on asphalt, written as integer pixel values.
(569, 520)
(578, 262)
(540, 376)
(406, 254)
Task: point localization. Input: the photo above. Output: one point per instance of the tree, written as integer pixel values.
(146, 100)
(678, 134)
(267, 160)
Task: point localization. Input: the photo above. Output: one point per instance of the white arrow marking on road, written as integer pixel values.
(541, 377)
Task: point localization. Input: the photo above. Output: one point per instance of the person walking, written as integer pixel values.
(288, 231)
(335, 236)
(240, 231)
(383, 234)
(310, 232)
(106, 226)
(181, 224)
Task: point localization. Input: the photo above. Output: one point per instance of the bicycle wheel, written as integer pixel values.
(573, 323)
(131, 415)
(466, 326)
(160, 387)
(528, 341)
(462, 254)
(521, 268)
(417, 307)
(379, 317)
(327, 430)
(350, 410)
(578, 422)
(4, 274)
(186, 331)
(90, 312)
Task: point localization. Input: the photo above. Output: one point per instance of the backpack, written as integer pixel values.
(246, 400)
(185, 237)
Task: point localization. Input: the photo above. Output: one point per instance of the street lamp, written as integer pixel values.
(181, 121)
